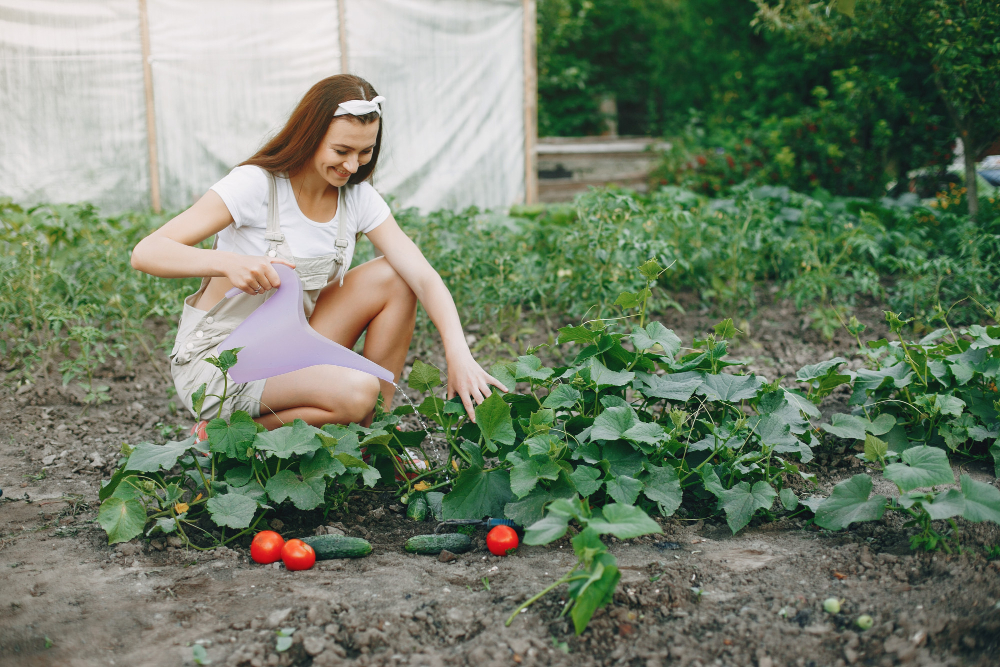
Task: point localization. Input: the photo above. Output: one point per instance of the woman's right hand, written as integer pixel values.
(253, 275)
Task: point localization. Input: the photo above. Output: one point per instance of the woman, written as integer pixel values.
(314, 177)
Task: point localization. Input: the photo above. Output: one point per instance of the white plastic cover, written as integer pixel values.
(227, 73)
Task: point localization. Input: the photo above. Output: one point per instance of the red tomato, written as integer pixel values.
(297, 555)
(266, 547)
(501, 540)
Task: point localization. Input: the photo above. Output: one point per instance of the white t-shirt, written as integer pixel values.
(244, 191)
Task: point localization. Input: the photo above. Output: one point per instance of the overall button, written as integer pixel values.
(209, 320)
(190, 346)
(271, 253)
(199, 334)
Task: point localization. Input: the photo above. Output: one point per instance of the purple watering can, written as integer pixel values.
(277, 339)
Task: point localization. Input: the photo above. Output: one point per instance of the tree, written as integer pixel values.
(957, 41)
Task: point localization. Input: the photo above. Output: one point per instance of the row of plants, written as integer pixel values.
(61, 262)
(635, 425)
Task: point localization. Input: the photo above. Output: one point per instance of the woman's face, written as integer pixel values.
(348, 144)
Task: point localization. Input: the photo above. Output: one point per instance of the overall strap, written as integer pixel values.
(273, 235)
(341, 236)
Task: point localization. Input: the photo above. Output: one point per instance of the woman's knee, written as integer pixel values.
(357, 396)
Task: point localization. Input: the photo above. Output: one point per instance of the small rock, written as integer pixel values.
(969, 641)
(175, 542)
(137, 406)
(278, 617)
(762, 662)
(850, 655)
(377, 513)
(446, 556)
(49, 460)
(276, 524)
(313, 645)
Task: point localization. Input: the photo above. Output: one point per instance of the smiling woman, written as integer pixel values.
(303, 200)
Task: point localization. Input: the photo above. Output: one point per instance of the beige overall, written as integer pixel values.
(200, 332)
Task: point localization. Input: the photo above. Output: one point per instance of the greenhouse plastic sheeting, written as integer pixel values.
(72, 108)
(225, 76)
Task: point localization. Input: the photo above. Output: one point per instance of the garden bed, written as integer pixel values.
(693, 595)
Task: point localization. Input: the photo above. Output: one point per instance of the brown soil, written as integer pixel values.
(67, 598)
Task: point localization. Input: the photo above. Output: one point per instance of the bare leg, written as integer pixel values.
(374, 297)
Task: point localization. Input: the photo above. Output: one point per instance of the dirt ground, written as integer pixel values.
(695, 595)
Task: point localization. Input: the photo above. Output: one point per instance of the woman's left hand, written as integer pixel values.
(468, 380)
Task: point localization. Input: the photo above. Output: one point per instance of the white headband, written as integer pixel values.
(359, 107)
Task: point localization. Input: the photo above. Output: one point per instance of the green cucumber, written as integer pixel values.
(456, 543)
(328, 547)
(417, 509)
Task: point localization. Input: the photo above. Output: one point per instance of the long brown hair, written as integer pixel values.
(297, 142)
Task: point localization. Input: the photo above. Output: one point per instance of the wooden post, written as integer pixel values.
(342, 27)
(530, 103)
(147, 80)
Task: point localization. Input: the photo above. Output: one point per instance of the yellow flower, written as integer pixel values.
(180, 508)
(421, 486)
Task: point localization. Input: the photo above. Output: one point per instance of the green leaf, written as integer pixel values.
(788, 499)
(875, 449)
(939, 506)
(525, 474)
(232, 510)
(424, 377)
(612, 423)
(797, 400)
(982, 501)
(623, 489)
(239, 476)
(741, 501)
(646, 432)
(624, 522)
(586, 480)
(252, 490)
(651, 269)
(285, 485)
(198, 398)
(504, 371)
(528, 510)
(822, 369)
(661, 485)
(729, 387)
(561, 396)
(121, 519)
(921, 466)
(602, 376)
(147, 457)
(495, 423)
(631, 299)
(549, 529)
(581, 335)
(673, 387)
(995, 452)
(232, 438)
(850, 503)
(773, 430)
(199, 655)
(846, 426)
(477, 493)
(529, 367)
(656, 334)
(322, 463)
(108, 487)
(475, 453)
(725, 329)
(225, 360)
(299, 438)
(597, 591)
(623, 459)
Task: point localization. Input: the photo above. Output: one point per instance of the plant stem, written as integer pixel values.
(562, 580)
